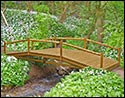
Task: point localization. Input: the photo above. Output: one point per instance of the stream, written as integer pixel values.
(34, 87)
(41, 80)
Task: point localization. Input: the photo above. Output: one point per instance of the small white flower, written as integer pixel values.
(91, 72)
(8, 58)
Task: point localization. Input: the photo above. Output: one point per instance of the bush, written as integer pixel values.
(89, 82)
(13, 71)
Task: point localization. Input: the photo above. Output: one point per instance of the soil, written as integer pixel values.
(41, 80)
(119, 71)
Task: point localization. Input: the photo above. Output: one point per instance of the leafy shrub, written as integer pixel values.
(89, 82)
(13, 71)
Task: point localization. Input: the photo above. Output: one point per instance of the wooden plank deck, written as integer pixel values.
(76, 57)
(81, 57)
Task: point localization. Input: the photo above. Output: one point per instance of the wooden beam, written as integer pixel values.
(55, 45)
(32, 45)
(85, 42)
(5, 47)
(101, 60)
(28, 45)
(61, 42)
(99, 43)
(65, 38)
(79, 48)
(49, 41)
(15, 41)
(119, 51)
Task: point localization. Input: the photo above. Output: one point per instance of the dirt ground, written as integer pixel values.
(119, 71)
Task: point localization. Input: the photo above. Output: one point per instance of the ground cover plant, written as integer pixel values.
(14, 72)
(89, 82)
(81, 23)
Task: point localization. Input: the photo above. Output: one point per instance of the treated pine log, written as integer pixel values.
(49, 41)
(101, 61)
(81, 49)
(15, 41)
(5, 47)
(99, 43)
(61, 42)
(119, 51)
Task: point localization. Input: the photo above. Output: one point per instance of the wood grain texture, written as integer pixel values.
(76, 57)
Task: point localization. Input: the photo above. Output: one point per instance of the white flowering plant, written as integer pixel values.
(13, 71)
(89, 82)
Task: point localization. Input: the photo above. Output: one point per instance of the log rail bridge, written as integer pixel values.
(78, 58)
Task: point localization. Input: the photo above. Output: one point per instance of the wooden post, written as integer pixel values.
(28, 45)
(5, 47)
(85, 41)
(101, 61)
(119, 51)
(61, 41)
(32, 45)
(55, 45)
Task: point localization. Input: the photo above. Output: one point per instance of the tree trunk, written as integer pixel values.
(29, 6)
(99, 21)
(63, 15)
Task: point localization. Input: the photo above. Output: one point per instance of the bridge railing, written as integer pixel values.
(54, 40)
(85, 40)
(13, 42)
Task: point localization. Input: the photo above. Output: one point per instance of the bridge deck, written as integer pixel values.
(75, 57)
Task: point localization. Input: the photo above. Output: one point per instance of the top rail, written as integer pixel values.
(99, 43)
(34, 40)
(70, 38)
(79, 48)
(16, 41)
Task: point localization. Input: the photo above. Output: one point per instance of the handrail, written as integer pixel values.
(5, 43)
(99, 43)
(34, 40)
(16, 41)
(64, 38)
(81, 48)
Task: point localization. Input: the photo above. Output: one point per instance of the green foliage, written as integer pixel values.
(41, 29)
(14, 4)
(41, 8)
(114, 36)
(89, 82)
(13, 71)
(19, 24)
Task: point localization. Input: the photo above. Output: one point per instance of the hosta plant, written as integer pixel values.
(89, 82)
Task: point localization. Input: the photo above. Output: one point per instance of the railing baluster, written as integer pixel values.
(85, 41)
(101, 61)
(28, 45)
(5, 47)
(119, 55)
(61, 41)
(32, 45)
(55, 45)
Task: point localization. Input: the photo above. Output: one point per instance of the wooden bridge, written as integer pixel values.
(78, 58)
